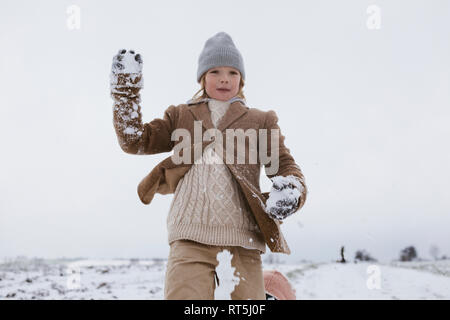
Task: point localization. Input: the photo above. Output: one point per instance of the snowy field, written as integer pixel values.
(144, 279)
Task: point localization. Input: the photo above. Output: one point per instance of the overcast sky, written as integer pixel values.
(365, 112)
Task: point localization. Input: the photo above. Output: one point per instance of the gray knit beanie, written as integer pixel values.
(219, 51)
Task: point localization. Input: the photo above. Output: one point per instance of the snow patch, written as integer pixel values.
(225, 273)
(144, 279)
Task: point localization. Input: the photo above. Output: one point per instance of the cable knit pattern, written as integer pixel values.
(208, 206)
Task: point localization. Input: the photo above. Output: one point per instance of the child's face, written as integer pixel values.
(222, 83)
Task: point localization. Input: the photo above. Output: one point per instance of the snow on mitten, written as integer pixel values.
(126, 62)
(126, 81)
(126, 73)
(283, 197)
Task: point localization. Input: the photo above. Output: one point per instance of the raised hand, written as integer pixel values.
(126, 81)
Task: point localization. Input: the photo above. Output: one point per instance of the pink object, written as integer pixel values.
(277, 285)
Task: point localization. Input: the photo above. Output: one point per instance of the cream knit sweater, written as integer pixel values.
(208, 206)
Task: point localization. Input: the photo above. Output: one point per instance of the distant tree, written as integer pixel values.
(434, 252)
(363, 255)
(408, 254)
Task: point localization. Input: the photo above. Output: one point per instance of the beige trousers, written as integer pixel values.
(190, 273)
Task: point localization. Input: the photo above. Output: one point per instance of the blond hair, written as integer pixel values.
(201, 94)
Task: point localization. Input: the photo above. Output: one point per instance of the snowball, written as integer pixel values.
(286, 194)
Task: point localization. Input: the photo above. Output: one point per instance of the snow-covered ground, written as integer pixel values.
(144, 279)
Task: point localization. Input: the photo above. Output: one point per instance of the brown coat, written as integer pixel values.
(163, 179)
